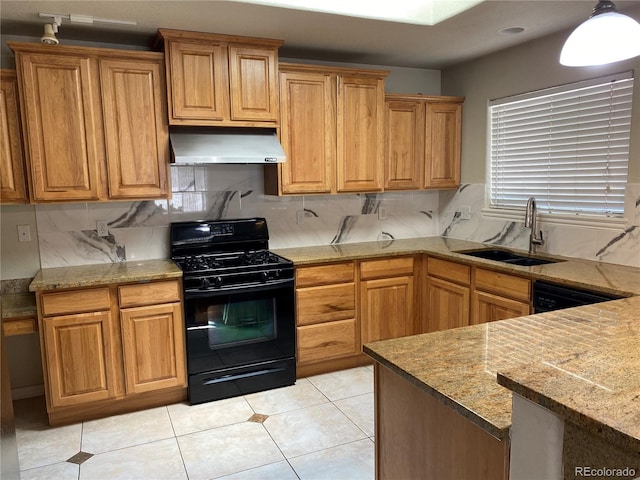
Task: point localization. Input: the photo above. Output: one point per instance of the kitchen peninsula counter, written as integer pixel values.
(581, 363)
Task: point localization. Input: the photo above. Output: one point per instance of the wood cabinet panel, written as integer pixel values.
(149, 293)
(136, 128)
(503, 284)
(253, 76)
(386, 267)
(360, 134)
(63, 131)
(447, 305)
(198, 86)
(325, 303)
(19, 326)
(487, 307)
(308, 132)
(456, 272)
(12, 169)
(153, 347)
(386, 308)
(326, 341)
(325, 274)
(404, 145)
(79, 358)
(443, 139)
(76, 301)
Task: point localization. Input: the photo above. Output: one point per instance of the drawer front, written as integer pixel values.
(388, 267)
(502, 284)
(452, 271)
(19, 326)
(326, 341)
(149, 293)
(325, 274)
(325, 304)
(77, 301)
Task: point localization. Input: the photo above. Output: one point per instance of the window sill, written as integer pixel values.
(610, 223)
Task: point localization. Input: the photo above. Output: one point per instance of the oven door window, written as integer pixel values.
(231, 320)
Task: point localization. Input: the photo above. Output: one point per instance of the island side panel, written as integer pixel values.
(418, 437)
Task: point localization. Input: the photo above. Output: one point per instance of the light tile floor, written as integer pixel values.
(319, 428)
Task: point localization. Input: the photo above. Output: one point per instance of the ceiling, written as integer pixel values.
(314, 35)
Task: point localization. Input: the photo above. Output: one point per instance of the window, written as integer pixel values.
(567, 146)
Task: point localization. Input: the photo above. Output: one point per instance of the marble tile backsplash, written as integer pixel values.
(67, 233)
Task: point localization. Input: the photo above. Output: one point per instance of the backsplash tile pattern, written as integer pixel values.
(140, 230)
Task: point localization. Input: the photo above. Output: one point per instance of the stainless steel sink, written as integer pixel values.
(506, 256)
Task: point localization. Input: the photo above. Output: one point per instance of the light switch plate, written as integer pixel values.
(102, 226)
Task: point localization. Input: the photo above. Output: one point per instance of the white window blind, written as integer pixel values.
(567, 146)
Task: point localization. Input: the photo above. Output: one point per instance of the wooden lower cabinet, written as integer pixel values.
(327, 330)
(498, 296)
(387, 298)
(448, 292)
(102, 357)
(80, 358)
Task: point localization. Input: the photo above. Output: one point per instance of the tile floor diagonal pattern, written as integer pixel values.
(319, 428)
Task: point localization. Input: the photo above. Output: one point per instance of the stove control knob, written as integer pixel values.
(264, 276)
(205, 283)
(217, 281)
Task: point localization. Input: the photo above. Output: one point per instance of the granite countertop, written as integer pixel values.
(581, 363)
(18, 305)
(103, 274)
(605, 277)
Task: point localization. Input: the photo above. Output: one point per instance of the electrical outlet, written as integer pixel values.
(465, 213)
(102, 226)
(382, 213)
(300, 217)
(24, 233)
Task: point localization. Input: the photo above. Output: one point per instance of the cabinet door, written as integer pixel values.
(360, 134)
(253, 80)
(80, 359)
(326, 341)
(136, 129)
(308, 132)
(447, 305)
(153, 347)
(487, 307)
(12, 174)
(404, 145)
(63, 122)
(386, 308)
(199, 83)
(325, 303)
(442, 149)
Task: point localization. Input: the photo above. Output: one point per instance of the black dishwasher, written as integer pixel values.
(550, 296)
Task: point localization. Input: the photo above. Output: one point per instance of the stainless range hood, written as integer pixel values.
(196, 146)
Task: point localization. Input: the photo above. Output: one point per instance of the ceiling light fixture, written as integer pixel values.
(86, 19)
(607, 36)
(50, 30)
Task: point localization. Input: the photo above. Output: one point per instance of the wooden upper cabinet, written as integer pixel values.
(442, 139)
(221, 80)
(63, 131)
(423, 135)
(136, 129)
(12, 174)
(308, 132)
(95, 123)
(404, 145)
(360, 128)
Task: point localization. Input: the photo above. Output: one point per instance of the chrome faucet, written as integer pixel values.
(531, 222)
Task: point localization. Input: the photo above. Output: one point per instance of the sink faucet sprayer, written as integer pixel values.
(531, 222)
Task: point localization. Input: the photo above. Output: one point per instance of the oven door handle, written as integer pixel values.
(239, 376)
(247, 288)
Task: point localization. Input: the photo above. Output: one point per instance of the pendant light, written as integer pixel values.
(607, 36)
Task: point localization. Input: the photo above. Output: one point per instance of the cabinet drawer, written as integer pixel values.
(326, 341)
(149, 293)
(388, 267)
(325, 303)
(86, 300)
(19, 326)
(325, 274)
(455, 272)
(502, 284)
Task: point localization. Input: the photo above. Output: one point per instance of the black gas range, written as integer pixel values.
(239, 308)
